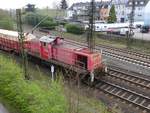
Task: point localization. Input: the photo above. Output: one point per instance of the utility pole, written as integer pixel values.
(90, 37)
(129, 36)
(21, 43)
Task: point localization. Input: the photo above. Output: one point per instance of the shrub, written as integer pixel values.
(75, 29)
(48, 24)
(28, 96)
(34, 18)
(62, 23)
(6, 22)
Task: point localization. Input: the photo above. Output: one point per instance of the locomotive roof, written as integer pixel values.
(69, 46)
(66, 45)
(47, 39)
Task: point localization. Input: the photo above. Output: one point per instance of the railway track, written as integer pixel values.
(124, 94)
(128, 95)
(130, 52)
(130, 78)
(127, 58)
(121, 54)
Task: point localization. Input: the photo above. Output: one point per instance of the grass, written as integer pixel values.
(6, 22)
(84, 103)
(41, 77)
(32, 96)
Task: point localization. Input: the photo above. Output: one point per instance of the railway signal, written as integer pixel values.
(52, 72)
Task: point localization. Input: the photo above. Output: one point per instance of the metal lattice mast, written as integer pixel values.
(90, 37)
(21, 42)
(131, 23)
(132, 13)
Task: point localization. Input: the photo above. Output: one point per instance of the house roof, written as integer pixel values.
(97, 4)
(119, 2)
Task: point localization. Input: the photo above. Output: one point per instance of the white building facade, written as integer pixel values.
(120, 8)
(147, 14)
(139, 9)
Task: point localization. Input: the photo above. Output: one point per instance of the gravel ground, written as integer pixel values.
(126, 65)
(141, 36)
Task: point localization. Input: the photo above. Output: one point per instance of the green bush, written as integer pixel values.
(75, 29)
(62, 23)
(28, 96)
(32, 18)
(6, 22)
(48, 24)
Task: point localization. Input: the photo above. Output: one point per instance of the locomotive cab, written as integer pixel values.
(46, 44)
(45, 47)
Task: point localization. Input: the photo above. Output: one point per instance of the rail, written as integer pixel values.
(131, 78)
(121, 54)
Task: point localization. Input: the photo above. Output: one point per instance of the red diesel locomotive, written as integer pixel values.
(53, 49)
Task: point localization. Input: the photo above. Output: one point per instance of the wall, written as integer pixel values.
(146, 14)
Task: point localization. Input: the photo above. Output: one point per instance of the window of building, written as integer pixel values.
(130, 3)
(139, 15)
(139, 8)
(142, 3)
(136, 3)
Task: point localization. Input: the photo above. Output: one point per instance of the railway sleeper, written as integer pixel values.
(125, 99)
(122, 88)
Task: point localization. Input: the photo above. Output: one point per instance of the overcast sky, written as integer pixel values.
(7, 4)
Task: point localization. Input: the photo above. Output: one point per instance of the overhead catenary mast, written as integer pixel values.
(90, 37)
(21, 42)
(131, 24)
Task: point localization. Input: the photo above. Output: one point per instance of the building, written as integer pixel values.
(79, 11)
(139, 9)
(120, 8)
(147, 14)
(104, 11)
